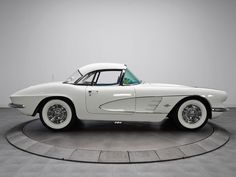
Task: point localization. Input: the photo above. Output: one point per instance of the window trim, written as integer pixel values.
(78, 80)
(104, 70)
(97, 72)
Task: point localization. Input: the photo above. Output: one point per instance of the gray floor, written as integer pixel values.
(14, 162)
(106, 142)
(106, 136)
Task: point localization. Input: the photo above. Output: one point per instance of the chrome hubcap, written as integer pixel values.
(57, 114)
(192, 114)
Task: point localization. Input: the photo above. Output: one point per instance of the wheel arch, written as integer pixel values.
(45, 100)
(196, 97)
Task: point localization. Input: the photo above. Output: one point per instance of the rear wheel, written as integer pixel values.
(57, 114)
(191, 114)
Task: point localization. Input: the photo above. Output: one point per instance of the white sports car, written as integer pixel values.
(108, 91)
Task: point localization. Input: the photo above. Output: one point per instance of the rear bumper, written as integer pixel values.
(13, 105)
(220, 109)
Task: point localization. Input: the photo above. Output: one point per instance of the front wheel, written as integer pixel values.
(191, 115)
(57, 114)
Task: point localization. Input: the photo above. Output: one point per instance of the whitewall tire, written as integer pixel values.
(56, 114)
(191, 114)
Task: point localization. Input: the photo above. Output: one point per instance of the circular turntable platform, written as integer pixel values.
(106, 142)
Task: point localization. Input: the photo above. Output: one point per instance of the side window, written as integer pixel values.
(108, 78)
(130, 78)
(87, 80)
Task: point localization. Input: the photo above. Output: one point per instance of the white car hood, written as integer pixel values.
(38, 89)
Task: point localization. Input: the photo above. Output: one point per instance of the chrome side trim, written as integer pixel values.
(150, 109)
(220, 109)
(132, 112)
(13, 105)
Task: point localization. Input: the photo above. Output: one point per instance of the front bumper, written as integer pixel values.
(220, 109)
(13, 105)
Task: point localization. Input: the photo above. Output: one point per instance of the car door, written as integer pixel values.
(107, 96)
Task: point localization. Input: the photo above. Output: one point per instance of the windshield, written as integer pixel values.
(73, 77)
(130, 78)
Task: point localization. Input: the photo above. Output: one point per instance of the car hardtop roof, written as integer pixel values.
(100, 66)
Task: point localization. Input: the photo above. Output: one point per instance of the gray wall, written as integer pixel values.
(190, 42)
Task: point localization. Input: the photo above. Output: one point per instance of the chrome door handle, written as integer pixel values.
(122, 94)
